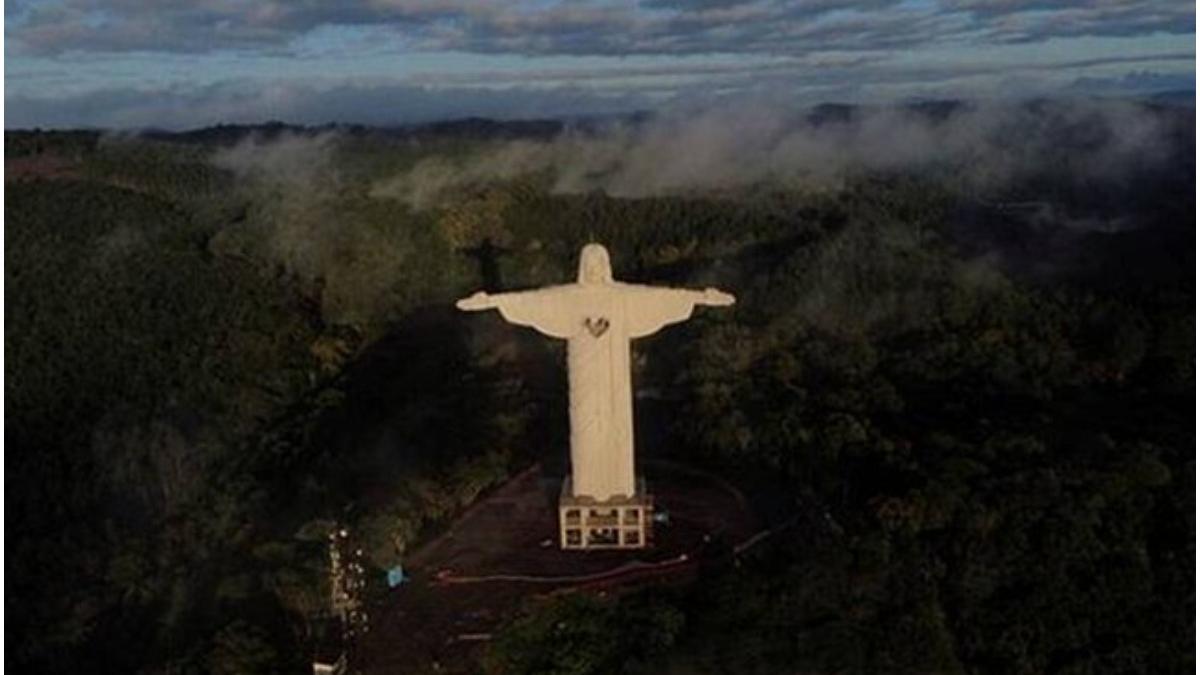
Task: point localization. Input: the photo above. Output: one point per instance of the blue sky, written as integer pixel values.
(188, 63)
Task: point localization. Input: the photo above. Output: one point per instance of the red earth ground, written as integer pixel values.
(440, 620)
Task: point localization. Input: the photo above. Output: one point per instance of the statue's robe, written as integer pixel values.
(598, 321)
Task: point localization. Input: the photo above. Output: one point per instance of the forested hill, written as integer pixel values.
(967, 334)
(37, 141)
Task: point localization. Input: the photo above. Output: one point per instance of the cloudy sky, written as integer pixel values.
(188, 63)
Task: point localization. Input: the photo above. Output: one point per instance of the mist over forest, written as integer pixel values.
(961, 370)
(984, 148)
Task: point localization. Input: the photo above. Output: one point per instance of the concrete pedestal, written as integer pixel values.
(618, 522)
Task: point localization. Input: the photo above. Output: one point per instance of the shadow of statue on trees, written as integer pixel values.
(487, 255)
(433, 391)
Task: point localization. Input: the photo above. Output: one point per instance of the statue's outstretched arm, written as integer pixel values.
(715, 298)
(478, 302)
(483, 300)
(545, 309)
(649, 308)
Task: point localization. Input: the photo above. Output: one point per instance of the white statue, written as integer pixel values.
(598, 317)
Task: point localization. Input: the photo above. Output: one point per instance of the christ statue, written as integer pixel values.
(598, 317)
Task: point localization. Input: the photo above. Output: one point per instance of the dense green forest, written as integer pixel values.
(984, 409)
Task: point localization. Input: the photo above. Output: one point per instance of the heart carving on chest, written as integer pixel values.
(596, 327)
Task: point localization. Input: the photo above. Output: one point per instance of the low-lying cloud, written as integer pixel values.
(978, 148)
(297, 222)
(371, 246)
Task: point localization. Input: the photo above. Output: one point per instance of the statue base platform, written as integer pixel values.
(615, 523)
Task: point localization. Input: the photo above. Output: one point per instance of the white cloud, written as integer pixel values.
(579, 26)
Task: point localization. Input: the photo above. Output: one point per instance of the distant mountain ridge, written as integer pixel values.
(484, 128)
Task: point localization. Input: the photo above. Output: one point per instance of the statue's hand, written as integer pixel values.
(480, 300)
(717, 298)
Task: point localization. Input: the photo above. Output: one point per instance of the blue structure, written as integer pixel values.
(395, 576)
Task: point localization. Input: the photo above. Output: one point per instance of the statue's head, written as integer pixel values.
(594, 267)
